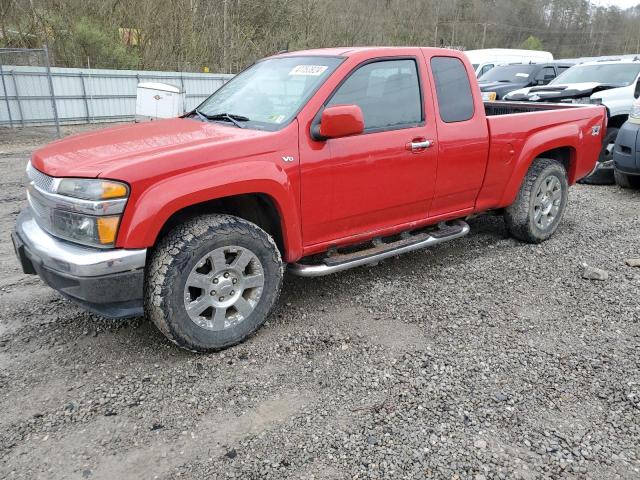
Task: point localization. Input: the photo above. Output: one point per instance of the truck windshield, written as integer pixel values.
(509, 74)
(270, 93)
(621, 74)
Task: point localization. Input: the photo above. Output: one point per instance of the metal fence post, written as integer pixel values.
(84, 97)
(15, 87)
(184, 101)
(6, 96)
(53, 95)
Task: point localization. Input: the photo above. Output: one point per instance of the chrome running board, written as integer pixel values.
(380, 250)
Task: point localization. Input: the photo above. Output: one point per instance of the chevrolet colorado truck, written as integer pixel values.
(316, 161)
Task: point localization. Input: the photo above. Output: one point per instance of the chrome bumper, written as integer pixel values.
(72, 259)
(108, 282)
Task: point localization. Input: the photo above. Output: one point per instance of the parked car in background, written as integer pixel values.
(626, 151)
(321, 160)
(612, 83)
(485, 59)
(503, 79)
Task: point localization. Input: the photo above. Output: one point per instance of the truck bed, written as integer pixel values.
(520, 130)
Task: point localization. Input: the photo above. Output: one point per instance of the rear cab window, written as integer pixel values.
(453, 89)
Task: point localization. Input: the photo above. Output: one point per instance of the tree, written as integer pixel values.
(532, 43)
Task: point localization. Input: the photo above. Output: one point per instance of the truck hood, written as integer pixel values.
(557, 93)
(89, 154)
(494, 86)
(501, 88)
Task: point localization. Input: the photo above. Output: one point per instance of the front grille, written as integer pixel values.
(42, 181)
(42, 213)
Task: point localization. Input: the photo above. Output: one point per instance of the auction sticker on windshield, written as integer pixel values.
(308, 70)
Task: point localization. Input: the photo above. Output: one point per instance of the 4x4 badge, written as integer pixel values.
(595, 131)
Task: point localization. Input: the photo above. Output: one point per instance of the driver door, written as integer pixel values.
(366, 183)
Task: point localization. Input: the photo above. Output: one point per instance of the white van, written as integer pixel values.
(484, 60)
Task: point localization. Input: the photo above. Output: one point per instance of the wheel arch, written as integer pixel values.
(562, 151)
(258, 208)
(566, 156)
(272, 203)
(617, 120)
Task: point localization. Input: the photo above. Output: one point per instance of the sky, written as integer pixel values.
(617, 3)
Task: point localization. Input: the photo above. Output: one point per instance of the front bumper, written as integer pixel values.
(107, 282)
(626, 153)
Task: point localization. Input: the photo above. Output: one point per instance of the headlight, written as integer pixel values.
(85, 229)
(81, 210)
(90, 189)
(489, 96)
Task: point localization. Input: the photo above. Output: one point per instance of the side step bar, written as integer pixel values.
(380, 250)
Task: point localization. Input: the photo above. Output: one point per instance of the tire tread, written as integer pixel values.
(517, 214)
(162, 271)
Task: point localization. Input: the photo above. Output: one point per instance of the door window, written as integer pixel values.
(486, 68)
(455, 100)
(545, 75)
(387, 92)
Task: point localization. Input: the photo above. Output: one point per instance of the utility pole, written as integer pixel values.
(224, 36)
(484, 34)
(435, 30)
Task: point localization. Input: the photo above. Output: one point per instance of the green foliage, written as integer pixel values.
(228, 35)
(103, 46)
(532, 43)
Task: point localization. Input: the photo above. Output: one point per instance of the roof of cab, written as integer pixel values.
(349, 51)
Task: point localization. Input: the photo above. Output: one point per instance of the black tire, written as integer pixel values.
(173, 260)
(604, 175)
(626, 181)
(520, 217)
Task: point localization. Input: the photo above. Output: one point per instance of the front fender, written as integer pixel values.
(148, 210)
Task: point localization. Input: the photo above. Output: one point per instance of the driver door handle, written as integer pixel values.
(418, 145)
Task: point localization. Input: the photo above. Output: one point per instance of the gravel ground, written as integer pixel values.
(481, 358)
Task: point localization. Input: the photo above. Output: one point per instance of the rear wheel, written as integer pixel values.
(212, 282)
(603, 173)
(540, 204)
(626, 181)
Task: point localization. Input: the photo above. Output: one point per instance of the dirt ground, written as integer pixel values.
(481, 358)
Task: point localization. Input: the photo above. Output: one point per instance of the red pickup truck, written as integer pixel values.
(321, 160)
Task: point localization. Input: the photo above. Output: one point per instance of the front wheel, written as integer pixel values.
(540, 204)
(212, 282)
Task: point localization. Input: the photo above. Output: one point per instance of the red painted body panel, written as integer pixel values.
(337, 191)
(516, 142)
(463, 149)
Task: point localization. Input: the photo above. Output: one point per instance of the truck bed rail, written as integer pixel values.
(509, 108)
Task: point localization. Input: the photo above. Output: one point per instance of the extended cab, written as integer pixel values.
(321, 160)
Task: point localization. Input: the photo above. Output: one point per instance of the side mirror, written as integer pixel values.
(341, 121)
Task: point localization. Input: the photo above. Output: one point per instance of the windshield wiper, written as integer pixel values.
(230, 117)
(200, 115)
